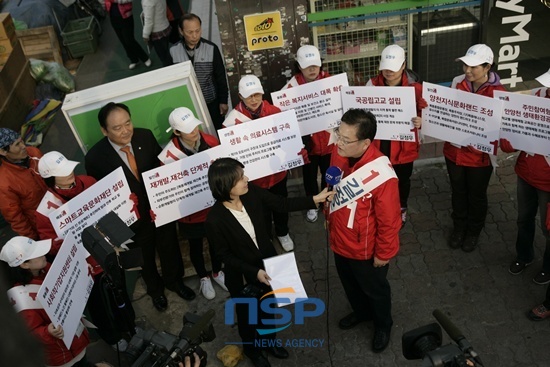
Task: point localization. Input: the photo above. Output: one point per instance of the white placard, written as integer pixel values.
(66, 289)
(285, 278)
(111, 193)
(265, 146)
(461, 118)
(181, 188)
(525, 122)
(394, 108)
(318, 104)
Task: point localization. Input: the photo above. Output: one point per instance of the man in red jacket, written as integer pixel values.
(21, 187)
(364, 224)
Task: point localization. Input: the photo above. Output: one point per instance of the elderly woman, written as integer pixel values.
(236, 229)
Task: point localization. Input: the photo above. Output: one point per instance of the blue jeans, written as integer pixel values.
(531, 199)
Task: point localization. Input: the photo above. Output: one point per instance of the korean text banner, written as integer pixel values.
(526, 122)
(180, 188)
(318, 104)
(111, 193)
(265, 146)
(66, 289)
(461, 118)
(394, 108)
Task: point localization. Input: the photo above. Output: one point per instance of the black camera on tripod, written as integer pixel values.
(425, 343)
(152, 348)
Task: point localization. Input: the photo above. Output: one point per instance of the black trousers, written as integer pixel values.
(248, 333)
(469, 196)
(162, 48)
(214, 110)
(164, 241)
(279, 219)
(404, 172)
(310, 171)
(367, 289)
(124, 29)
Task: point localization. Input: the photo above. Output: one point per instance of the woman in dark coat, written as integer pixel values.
(236, 229)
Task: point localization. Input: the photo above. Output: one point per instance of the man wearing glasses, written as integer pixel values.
(364, 222)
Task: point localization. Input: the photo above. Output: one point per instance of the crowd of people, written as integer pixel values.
(239, 227)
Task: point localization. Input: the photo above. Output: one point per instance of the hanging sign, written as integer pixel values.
(263, 31)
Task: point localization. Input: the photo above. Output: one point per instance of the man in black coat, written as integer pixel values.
(136, 150)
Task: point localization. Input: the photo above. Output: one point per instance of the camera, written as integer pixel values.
(151, 348)
(425, 343)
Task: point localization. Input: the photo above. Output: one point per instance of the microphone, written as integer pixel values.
(455, 334)
(333, 175)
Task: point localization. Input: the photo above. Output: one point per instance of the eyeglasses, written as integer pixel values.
(344, 142)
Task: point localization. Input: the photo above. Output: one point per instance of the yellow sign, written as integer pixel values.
(263, 30)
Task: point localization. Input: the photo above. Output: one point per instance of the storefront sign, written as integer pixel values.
(263, 31)
(525, 122)
(461, 118)
(394, 108)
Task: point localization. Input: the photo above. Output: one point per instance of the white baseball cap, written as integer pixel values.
(392, 58)
(249, 85)
(20, 249)
(308, 56)
(544, 79)
(54, 164)
(182, 119)
(477, 55)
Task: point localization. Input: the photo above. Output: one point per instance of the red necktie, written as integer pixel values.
(131, 161)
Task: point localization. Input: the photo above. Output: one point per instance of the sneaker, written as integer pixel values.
(132, 66)
(220, 280)
(542, 278)
(403, 217)
(121, 345)
(539, 313)
(470, 243)
(286, 242)
(148, 62)
(207, 289)
(312, 215)
(517, 267)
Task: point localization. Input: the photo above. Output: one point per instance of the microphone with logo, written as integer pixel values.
(333, 176)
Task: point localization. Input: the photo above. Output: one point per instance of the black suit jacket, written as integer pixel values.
(102, 159)
(232, 244)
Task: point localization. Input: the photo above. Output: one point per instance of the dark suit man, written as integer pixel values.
(107, 155)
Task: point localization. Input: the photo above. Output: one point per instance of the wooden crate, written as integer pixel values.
(40, 43)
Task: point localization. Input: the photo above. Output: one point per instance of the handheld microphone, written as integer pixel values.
(455, 334)
(333, 176)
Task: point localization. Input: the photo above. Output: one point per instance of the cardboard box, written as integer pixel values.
(7, 45)
(19, 102)
(7, 28)
(11, 71)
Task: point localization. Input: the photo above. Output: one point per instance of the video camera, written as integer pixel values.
(152, 348)
(425, 343)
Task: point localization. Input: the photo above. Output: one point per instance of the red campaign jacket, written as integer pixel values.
(199, 217)
(56, 352)
(377, 217)
(267, 109)
(21, 190)
(319, 140)
(46, 229)
(466, 156)
(402, 151)
(533, 169)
